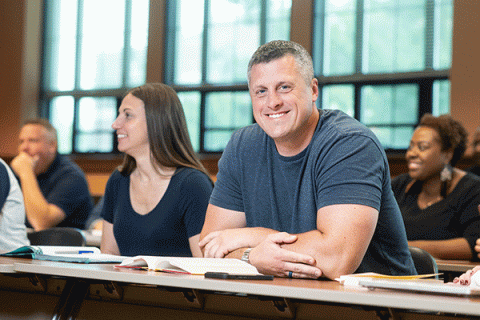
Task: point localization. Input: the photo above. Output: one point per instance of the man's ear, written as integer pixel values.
(52, 146)
(315, 90)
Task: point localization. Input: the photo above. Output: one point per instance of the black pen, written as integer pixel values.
(229, 276)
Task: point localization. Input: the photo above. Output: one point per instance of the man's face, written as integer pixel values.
(35, 140)
(283, 103)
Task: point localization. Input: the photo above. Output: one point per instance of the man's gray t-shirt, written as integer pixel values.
(343, 164)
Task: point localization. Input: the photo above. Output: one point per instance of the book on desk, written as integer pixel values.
(190, 265)
(64, 254)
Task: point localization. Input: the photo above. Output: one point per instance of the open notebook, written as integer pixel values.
(188, 265)
(64, 254)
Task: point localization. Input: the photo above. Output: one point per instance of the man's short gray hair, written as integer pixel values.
(279, 48)
(52, 132)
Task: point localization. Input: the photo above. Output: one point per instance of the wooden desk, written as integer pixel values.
(76, 291)
(454, 268)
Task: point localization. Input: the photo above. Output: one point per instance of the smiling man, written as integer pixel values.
(54, 188)
(304, 192)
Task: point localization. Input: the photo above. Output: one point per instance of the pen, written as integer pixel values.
(74, 252)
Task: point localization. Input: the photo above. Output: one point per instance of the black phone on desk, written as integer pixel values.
(231, 276)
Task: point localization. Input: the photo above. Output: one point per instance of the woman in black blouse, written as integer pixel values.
(439, 203)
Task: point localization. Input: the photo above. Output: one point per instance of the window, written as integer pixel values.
(89, 65)
(209, 45)
(385, 62)
(375, 59)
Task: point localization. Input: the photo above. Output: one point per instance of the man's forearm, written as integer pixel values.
(223, 243)
(36, 206)
(457, 248)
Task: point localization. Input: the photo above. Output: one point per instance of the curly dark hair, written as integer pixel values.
(453, 135)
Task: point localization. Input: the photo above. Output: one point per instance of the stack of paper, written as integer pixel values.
(408, 283)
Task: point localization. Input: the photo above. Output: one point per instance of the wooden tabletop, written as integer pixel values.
(308, 290)
(460, 266)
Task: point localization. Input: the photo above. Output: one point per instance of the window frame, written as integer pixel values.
(424, 79)
(46, 94)
(204, 88)
(301, 26)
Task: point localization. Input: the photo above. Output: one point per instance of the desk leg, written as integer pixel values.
(71, 300)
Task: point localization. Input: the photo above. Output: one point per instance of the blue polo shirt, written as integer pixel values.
(64, 185)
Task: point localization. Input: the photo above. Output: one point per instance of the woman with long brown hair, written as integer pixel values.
(155, 202)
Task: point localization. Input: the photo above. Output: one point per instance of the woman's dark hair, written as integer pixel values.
(168, 137)
(453, 135)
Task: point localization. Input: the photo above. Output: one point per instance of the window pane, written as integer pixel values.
(443, 22)
(188, 42)
(137, 55)
(61, 117)
(102, 48)
(94, 142)
(191, 107)
(95, 118)
(91, 45)
(339, 37)
(216, 141)
(61, 41)
(278, 20)
(219, 115)
(339, 97)
(441, 97)
(394, 138)
(394, 36)
(390, 111)
(221, 121)
(233, 36)
(396, 104)
(220, 57)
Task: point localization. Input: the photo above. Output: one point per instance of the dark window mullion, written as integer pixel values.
(75, 130)
(263, 22)
(429, 33)
(78, 56)
(114, 133)
(206, 21)
(170, 48)
(126, 42)
(425, 99)
(202, 121)
(47, 50)
(359, 19)
(79, 44)
(357, 101)
(359, 24)
(318, 36)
